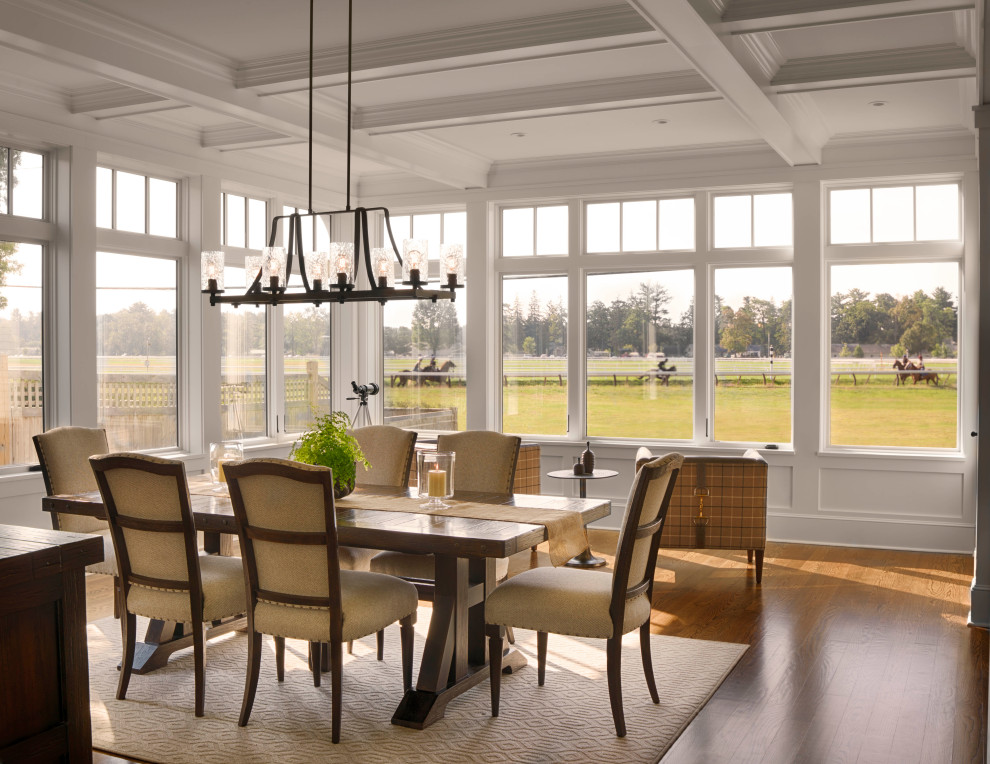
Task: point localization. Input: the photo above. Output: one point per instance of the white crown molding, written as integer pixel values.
(764, 51)
(751, 16)
(113, 100)
(591, 26)
(671, 87)
(967, 31)
(13, 86)
(88, 19)
(241, 136)
(924, 62)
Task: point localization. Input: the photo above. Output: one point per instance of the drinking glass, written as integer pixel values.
(435, 477)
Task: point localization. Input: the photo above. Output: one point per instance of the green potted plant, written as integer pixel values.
(327, 442)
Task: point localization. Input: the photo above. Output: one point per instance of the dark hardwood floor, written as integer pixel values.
(856, 655)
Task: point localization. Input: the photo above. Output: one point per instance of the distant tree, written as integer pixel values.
(397, 340)
(434, 326)
(845, 352)
(529, 346)
(858, 352)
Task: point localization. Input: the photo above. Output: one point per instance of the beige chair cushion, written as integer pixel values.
(562, 601)
(223, 593)
(483, 460)
(369, 602)
(355, 557)
(109, 565)
(421, 565)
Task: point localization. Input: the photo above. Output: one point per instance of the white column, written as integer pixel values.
(204, 320)
(808, 346)
(979, 614)
(484, 319)
(74, 291)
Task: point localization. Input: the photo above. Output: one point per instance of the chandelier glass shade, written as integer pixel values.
(334, 275)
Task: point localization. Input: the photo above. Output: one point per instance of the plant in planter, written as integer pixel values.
(327, 442)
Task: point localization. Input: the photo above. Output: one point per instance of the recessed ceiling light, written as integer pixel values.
(878, 104)
(518, 135)
(660, 122)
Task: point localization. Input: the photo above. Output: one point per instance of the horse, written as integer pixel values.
(402, 378)
(439, 375)
(662, 373)
(910, 369)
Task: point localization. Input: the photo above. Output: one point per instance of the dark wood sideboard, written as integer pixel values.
(44, 667)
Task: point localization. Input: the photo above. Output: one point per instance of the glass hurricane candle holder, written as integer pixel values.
(415, 261)
(273, 267)
(435, 477)
(212, 271)
(342, 263)
(318, 269)
(383, 265)
(223, 453)
(452, 262)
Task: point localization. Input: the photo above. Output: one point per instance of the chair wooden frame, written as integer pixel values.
(622, 591)
(46, 467)
(247, 535)
(186, 526)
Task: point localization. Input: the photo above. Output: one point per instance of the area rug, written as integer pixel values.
(566, 720)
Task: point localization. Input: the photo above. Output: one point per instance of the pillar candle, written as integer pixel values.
(437, 483)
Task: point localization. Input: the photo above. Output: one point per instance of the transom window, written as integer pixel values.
(528, 231)
(244, 221)
(126, 201)
(21, 183)
(929, 212)
(752, 220)
(640, 226)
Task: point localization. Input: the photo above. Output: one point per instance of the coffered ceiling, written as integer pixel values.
(448, 90)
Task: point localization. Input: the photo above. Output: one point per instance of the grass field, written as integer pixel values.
(872, 412)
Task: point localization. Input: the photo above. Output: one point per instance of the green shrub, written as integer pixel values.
(327, 442)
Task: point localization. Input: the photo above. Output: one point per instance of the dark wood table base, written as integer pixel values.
(166, 637)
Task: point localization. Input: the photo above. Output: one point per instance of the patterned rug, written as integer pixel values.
(566, 720)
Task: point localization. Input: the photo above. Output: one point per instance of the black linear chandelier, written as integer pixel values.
(331, 276)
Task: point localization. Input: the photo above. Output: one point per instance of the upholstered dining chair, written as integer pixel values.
(296, 588)
(63, 454)
(390, 451)
(162, 574)
(588, 603)
(484, 461)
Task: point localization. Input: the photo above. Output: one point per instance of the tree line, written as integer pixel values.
(916, 323)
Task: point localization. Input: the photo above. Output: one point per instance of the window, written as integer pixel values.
(243, 373)
(126, 201)
(21, 183)
(883, 317)
(306, 359)
(20, 350)
(753, 355)
(423, 342)
(534, 355)
(929, 212)
(136, 349)
(314, 229)
(752, 220)
(244, 222)
(528, 231)
(640, 330)
(640, 226)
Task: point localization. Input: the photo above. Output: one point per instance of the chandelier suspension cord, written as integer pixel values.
(311, 3)
(350, 39)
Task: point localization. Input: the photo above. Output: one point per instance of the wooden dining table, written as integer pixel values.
(455, 653)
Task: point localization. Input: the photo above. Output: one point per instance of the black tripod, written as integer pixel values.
(362, 417)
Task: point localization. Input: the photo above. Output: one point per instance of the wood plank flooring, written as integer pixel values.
(856, 655)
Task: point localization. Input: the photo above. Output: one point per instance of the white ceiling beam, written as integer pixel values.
(750, 16)
(923, 63)
(241, 136)
(681, 25)
(612, 27)
(70, 36)
(112, 100)
(522, 103)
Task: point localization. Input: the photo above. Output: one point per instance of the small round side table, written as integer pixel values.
(586, 559)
